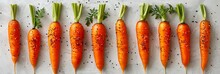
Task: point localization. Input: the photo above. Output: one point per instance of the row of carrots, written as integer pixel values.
(76, 34)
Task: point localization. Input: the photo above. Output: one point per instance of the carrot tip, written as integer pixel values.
(100, 71)
(145, 71)
(122, 71)
(75, 71)
(203, 71)
(14, 68)
(34, 71)
(186, 69)
(164, 70)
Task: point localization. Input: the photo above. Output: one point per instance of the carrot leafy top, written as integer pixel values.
(180, 11)
(122, 11)
(56, 11)
(13, 11)
(145, 10)
(160, 12)
(77, 10)
(203, 10)
(99, 14)
(101, 11)
(36, 15)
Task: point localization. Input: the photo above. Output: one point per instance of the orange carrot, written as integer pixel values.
(183, 32)
(54, 37)
(143, 35)
(98, 42)
(122, 40)
(164, 31)
(14, 36)
(204, 38)
(76, 34)
(34, 36)
(98, 35)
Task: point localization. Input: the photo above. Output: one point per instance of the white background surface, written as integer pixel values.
(111, 64)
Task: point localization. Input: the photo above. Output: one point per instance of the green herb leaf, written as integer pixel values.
(93, 14)
(171, 9)
(36, 15)
(106, 14)
(39, 14)
(161, 12)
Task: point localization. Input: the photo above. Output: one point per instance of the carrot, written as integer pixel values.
(183, 32)
(14, 36)
(204, 38)
(98, 34)
(143, 35)
(54, 37)
(34, 36)
(76, 34)
(122, 40)
(164, 31)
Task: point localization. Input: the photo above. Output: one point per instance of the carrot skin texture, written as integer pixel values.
(143, 38)
(34, 40)
(122, 43)
(164, 30)
(204, 42)
(76, 34)
(14, 39)
(183, 32)
(98, 42)
(54, 37)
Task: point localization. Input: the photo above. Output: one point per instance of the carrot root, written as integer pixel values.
(100, 71)
(34, 71)
(186, 70)
(15, 68)
(164, 70)
(75, 71)
(145, 71)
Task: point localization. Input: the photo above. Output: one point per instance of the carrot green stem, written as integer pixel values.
(145, 8)
(101, 12)
(180, 12)
(56, 11)
(32, 10)
(163, 12)
(77, 10)
(122, 11)
(203, 10)
(35, 16)
(13, 11)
